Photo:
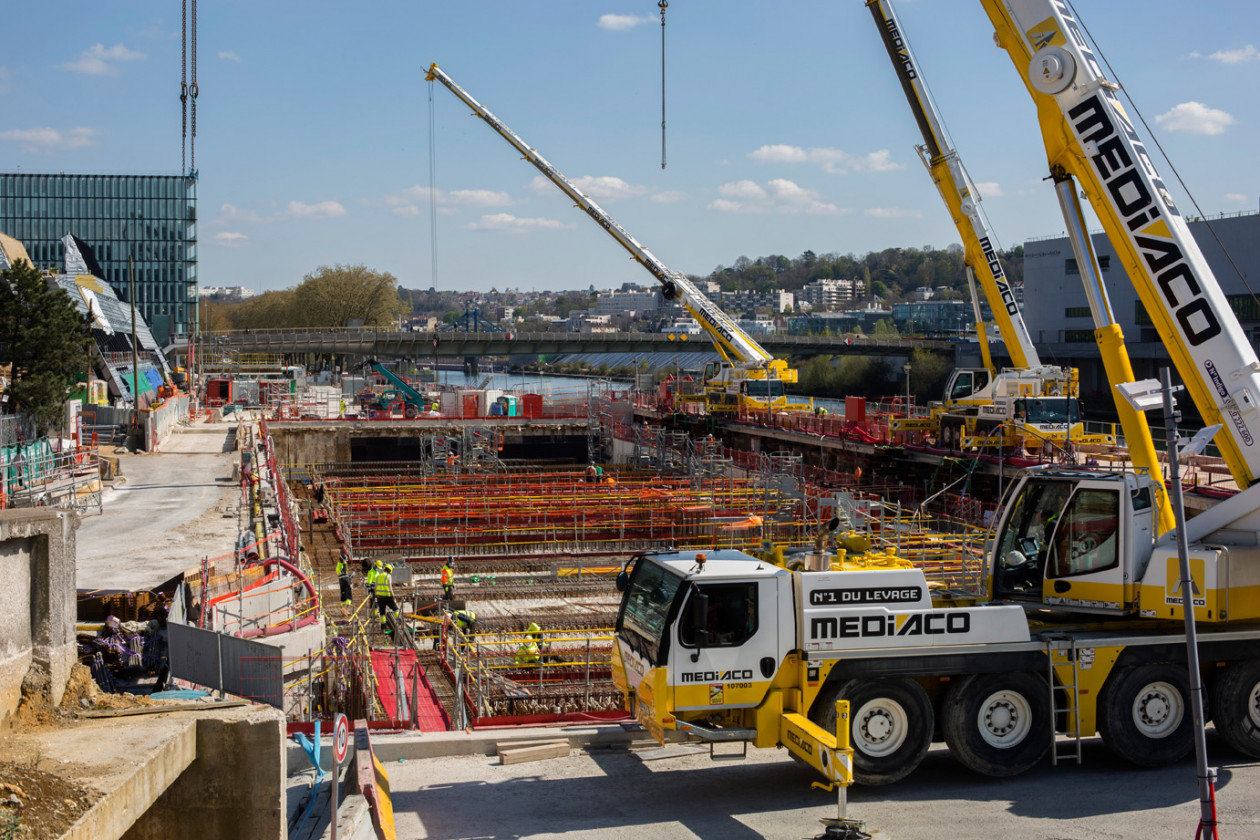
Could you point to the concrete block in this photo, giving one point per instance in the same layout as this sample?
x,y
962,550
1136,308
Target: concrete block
x,y
37,601
234,788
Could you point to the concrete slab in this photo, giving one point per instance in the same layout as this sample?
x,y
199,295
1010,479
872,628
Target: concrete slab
x,y
165,515
611,793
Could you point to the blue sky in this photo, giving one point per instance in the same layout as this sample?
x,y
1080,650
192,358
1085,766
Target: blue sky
x,y
787,130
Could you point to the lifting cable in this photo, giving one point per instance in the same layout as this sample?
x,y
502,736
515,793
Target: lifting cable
x,y
432,195
664,4
183,92
1167,159
192,91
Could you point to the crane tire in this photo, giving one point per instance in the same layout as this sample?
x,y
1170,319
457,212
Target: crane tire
x,y
411,412
1144,713
997,724
890,725
1236,706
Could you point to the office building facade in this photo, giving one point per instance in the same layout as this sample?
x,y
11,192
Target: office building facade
x,y
149,219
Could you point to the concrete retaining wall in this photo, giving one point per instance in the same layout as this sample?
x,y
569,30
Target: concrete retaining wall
x,y
37,602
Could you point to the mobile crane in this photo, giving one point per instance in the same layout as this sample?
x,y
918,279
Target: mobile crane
x,y
1035,402
747,376
1077,626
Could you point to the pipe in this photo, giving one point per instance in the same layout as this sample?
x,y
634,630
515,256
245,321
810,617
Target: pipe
x,y
288,625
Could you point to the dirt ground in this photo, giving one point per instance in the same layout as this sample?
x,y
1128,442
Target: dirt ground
x,y
35,803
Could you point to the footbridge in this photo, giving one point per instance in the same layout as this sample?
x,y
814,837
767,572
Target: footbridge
x,y
414,345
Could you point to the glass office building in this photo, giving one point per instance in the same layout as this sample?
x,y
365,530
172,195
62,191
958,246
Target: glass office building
x,y
149,218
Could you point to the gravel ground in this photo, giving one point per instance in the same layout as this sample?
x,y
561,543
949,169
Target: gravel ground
x,y
614,793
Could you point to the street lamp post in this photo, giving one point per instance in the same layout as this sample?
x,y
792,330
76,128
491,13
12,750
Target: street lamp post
x,y
906,368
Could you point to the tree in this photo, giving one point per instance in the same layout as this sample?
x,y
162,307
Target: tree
x,y
333,296
45,338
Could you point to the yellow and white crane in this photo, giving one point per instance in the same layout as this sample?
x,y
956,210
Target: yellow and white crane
x,y
748,375
1078,626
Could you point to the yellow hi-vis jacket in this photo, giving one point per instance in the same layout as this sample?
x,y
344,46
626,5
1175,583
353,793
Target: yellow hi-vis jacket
x,y
384,584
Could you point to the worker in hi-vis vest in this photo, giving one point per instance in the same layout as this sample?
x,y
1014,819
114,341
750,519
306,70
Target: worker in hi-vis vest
x,y
384,586
448,578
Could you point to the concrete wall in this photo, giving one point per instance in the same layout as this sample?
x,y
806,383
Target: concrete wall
x,y
233,789
37,602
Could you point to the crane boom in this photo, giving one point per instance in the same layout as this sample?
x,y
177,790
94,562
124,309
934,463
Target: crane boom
x,y
957,190
1089,137
733,344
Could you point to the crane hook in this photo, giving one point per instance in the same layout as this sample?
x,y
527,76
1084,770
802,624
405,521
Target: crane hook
x,y
664,4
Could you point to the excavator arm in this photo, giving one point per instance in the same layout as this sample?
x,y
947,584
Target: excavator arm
x,y
1089,137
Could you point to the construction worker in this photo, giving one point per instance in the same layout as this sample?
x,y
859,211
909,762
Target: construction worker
x,y
343,578
448,578
531,649
369,581
592,475
465,620
384,587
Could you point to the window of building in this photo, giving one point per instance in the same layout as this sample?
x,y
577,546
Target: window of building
x,y
1078,336
1076,312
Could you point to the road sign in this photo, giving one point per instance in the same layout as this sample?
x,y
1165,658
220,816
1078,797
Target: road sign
x,y
341,738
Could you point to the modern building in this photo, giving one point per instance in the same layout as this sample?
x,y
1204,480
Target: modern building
x,y
826,294
1058,316
147,220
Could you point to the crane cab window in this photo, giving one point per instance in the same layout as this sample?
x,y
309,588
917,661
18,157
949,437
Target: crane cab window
x,y
732,616
963,386
1086,538
763,387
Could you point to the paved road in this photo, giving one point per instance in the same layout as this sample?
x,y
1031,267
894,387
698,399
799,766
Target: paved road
x,y
615,794
167,514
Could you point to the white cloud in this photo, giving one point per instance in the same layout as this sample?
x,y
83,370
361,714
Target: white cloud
x,y
777,196
990,188
230,240
512,224
1237,197
892,213
1238,56
232,213
668,197
98,60
319,210
595,186
834,161
407,202
39,140
622,22
228,55
742,189
1195,118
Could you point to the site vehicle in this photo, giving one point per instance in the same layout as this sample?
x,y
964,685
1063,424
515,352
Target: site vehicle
x,y
1029,401
401,398
1075,625
747,376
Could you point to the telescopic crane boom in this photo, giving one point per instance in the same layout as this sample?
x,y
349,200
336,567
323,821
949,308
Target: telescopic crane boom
x,y
743,358
957,191
1035,402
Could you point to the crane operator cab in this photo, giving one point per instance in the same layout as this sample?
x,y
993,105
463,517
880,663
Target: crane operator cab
x,y
1078,539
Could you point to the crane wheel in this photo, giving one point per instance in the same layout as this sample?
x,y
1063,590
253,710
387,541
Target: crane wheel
x,y
1144,713
412,412
891,724
997,724
1236,706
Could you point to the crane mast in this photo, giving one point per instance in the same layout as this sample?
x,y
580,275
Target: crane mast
x,y
957,190
1089,137
737,349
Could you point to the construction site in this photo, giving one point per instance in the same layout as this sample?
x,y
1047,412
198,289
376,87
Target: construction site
x,y
535,545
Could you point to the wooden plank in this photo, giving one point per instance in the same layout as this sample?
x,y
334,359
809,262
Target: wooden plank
x,y
672,751
158,710
503,746
538,753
